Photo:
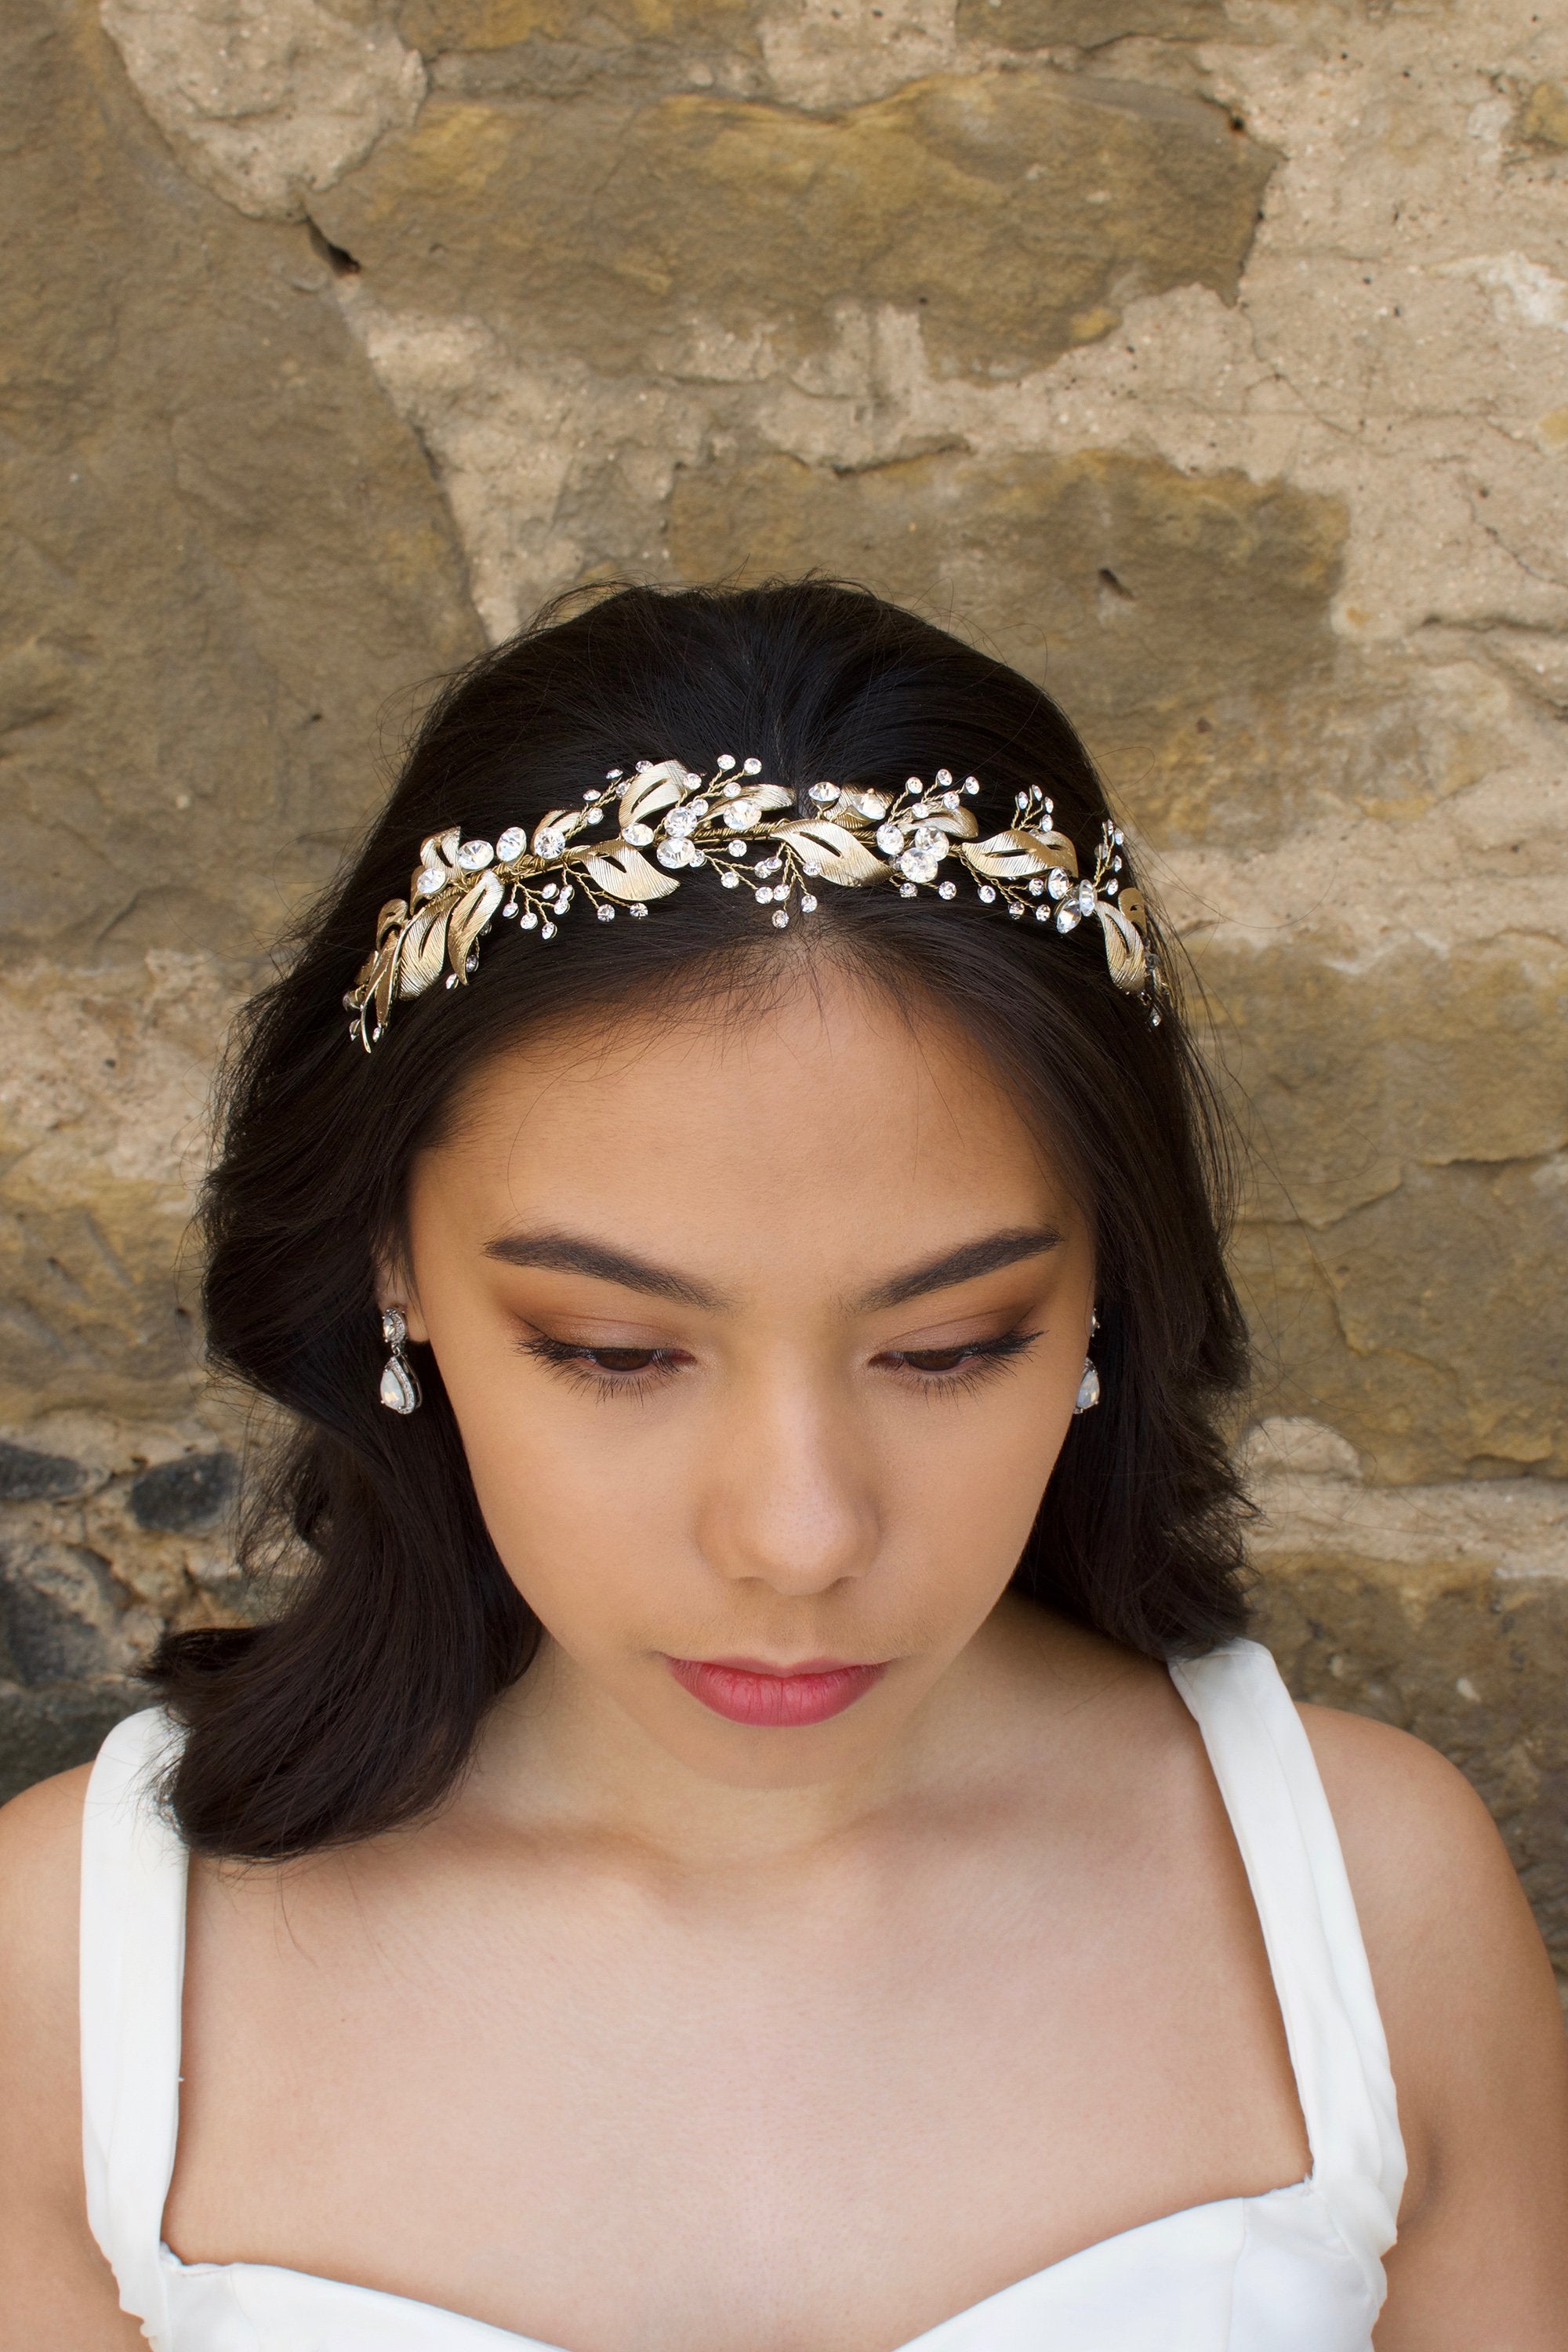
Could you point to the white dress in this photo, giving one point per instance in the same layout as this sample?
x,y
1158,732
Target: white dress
x,y
1296,2269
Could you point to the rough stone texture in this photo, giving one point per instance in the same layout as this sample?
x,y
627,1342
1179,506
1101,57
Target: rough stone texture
x,y
1204,357
269,100
1087,24
1090,570
28,1476
180,1497
104,1078
1029,205
222,550
47,1731
93,1570
1440,1609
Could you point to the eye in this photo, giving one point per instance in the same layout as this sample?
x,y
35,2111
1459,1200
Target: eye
x,y
619,1359
960,1366
937,1360
628,1370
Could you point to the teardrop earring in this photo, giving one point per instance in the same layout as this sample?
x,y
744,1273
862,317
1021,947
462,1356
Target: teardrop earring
x,y
1089,1385
399,1388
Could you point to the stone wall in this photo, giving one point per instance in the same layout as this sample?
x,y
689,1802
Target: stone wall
x,y
1206,358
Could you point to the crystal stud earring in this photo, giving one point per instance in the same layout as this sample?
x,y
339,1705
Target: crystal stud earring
x,y
1089,1385
399,1388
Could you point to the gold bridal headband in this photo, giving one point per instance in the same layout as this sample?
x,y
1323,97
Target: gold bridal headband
x,y
918,840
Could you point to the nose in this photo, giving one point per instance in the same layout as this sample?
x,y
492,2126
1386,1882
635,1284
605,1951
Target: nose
x,y
793,1504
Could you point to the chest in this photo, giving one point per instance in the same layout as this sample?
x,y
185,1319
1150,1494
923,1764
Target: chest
x,y
608,2116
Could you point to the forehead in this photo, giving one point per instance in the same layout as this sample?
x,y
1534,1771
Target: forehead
x,y
815,1106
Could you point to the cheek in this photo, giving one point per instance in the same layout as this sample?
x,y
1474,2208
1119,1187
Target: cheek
x,y
588,1517
969,1482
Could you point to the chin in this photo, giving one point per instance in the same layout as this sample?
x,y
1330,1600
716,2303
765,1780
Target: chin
x,y
733,1758
767,1755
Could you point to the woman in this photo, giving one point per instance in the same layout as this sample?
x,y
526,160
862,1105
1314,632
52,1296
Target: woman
x,y
753,1828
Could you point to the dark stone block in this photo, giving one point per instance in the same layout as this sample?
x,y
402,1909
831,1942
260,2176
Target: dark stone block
x,y
48,1730
58,1614
178,1497
27,1476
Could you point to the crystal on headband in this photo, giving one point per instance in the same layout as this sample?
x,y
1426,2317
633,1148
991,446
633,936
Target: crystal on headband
x,y
853,836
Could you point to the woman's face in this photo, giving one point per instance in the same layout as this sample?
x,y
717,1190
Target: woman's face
x,y
762,1335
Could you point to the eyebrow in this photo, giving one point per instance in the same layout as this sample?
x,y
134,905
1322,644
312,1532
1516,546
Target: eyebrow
x,y
575,1254
966,1264
560,1253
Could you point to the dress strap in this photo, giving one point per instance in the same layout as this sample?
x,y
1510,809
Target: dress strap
x,y
133,1873
1268,1779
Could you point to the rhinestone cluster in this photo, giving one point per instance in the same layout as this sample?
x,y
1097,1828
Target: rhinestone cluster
x,y
921,838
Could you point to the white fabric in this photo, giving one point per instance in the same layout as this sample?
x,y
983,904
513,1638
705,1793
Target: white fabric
x,y
1298,2270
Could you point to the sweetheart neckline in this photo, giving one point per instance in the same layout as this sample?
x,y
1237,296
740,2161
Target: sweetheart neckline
x,y
484,2331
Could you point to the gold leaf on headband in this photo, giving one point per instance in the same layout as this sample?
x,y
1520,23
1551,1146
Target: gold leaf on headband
x,y
1123,949
553,831
959,823
469,917
379,978
1013,857
650,790
627,875
424,951
439,849
838,855
534,874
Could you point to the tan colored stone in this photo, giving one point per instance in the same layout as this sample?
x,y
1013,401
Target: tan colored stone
x,y
267,100
1543,119
1349,1073
830,54
434,25
1087,24
1013,213
1426,1328
104,1080
1427,1626
1181,621
223,553
1312,1501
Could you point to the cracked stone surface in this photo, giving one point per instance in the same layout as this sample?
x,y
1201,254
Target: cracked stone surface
x,y
1206,358
269,100
223,553
104,1083
1441,1609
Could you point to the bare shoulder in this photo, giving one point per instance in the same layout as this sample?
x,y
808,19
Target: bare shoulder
x,y
55,2288
1407,1817
1432,1879
40,1871
40,1880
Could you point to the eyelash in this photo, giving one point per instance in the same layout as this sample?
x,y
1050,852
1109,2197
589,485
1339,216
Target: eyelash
x,y
967,1367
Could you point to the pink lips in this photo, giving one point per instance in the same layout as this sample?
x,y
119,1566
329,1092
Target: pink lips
x,y
746,1692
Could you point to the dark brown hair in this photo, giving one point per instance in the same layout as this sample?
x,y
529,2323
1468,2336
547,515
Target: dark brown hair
x,y
355,1709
